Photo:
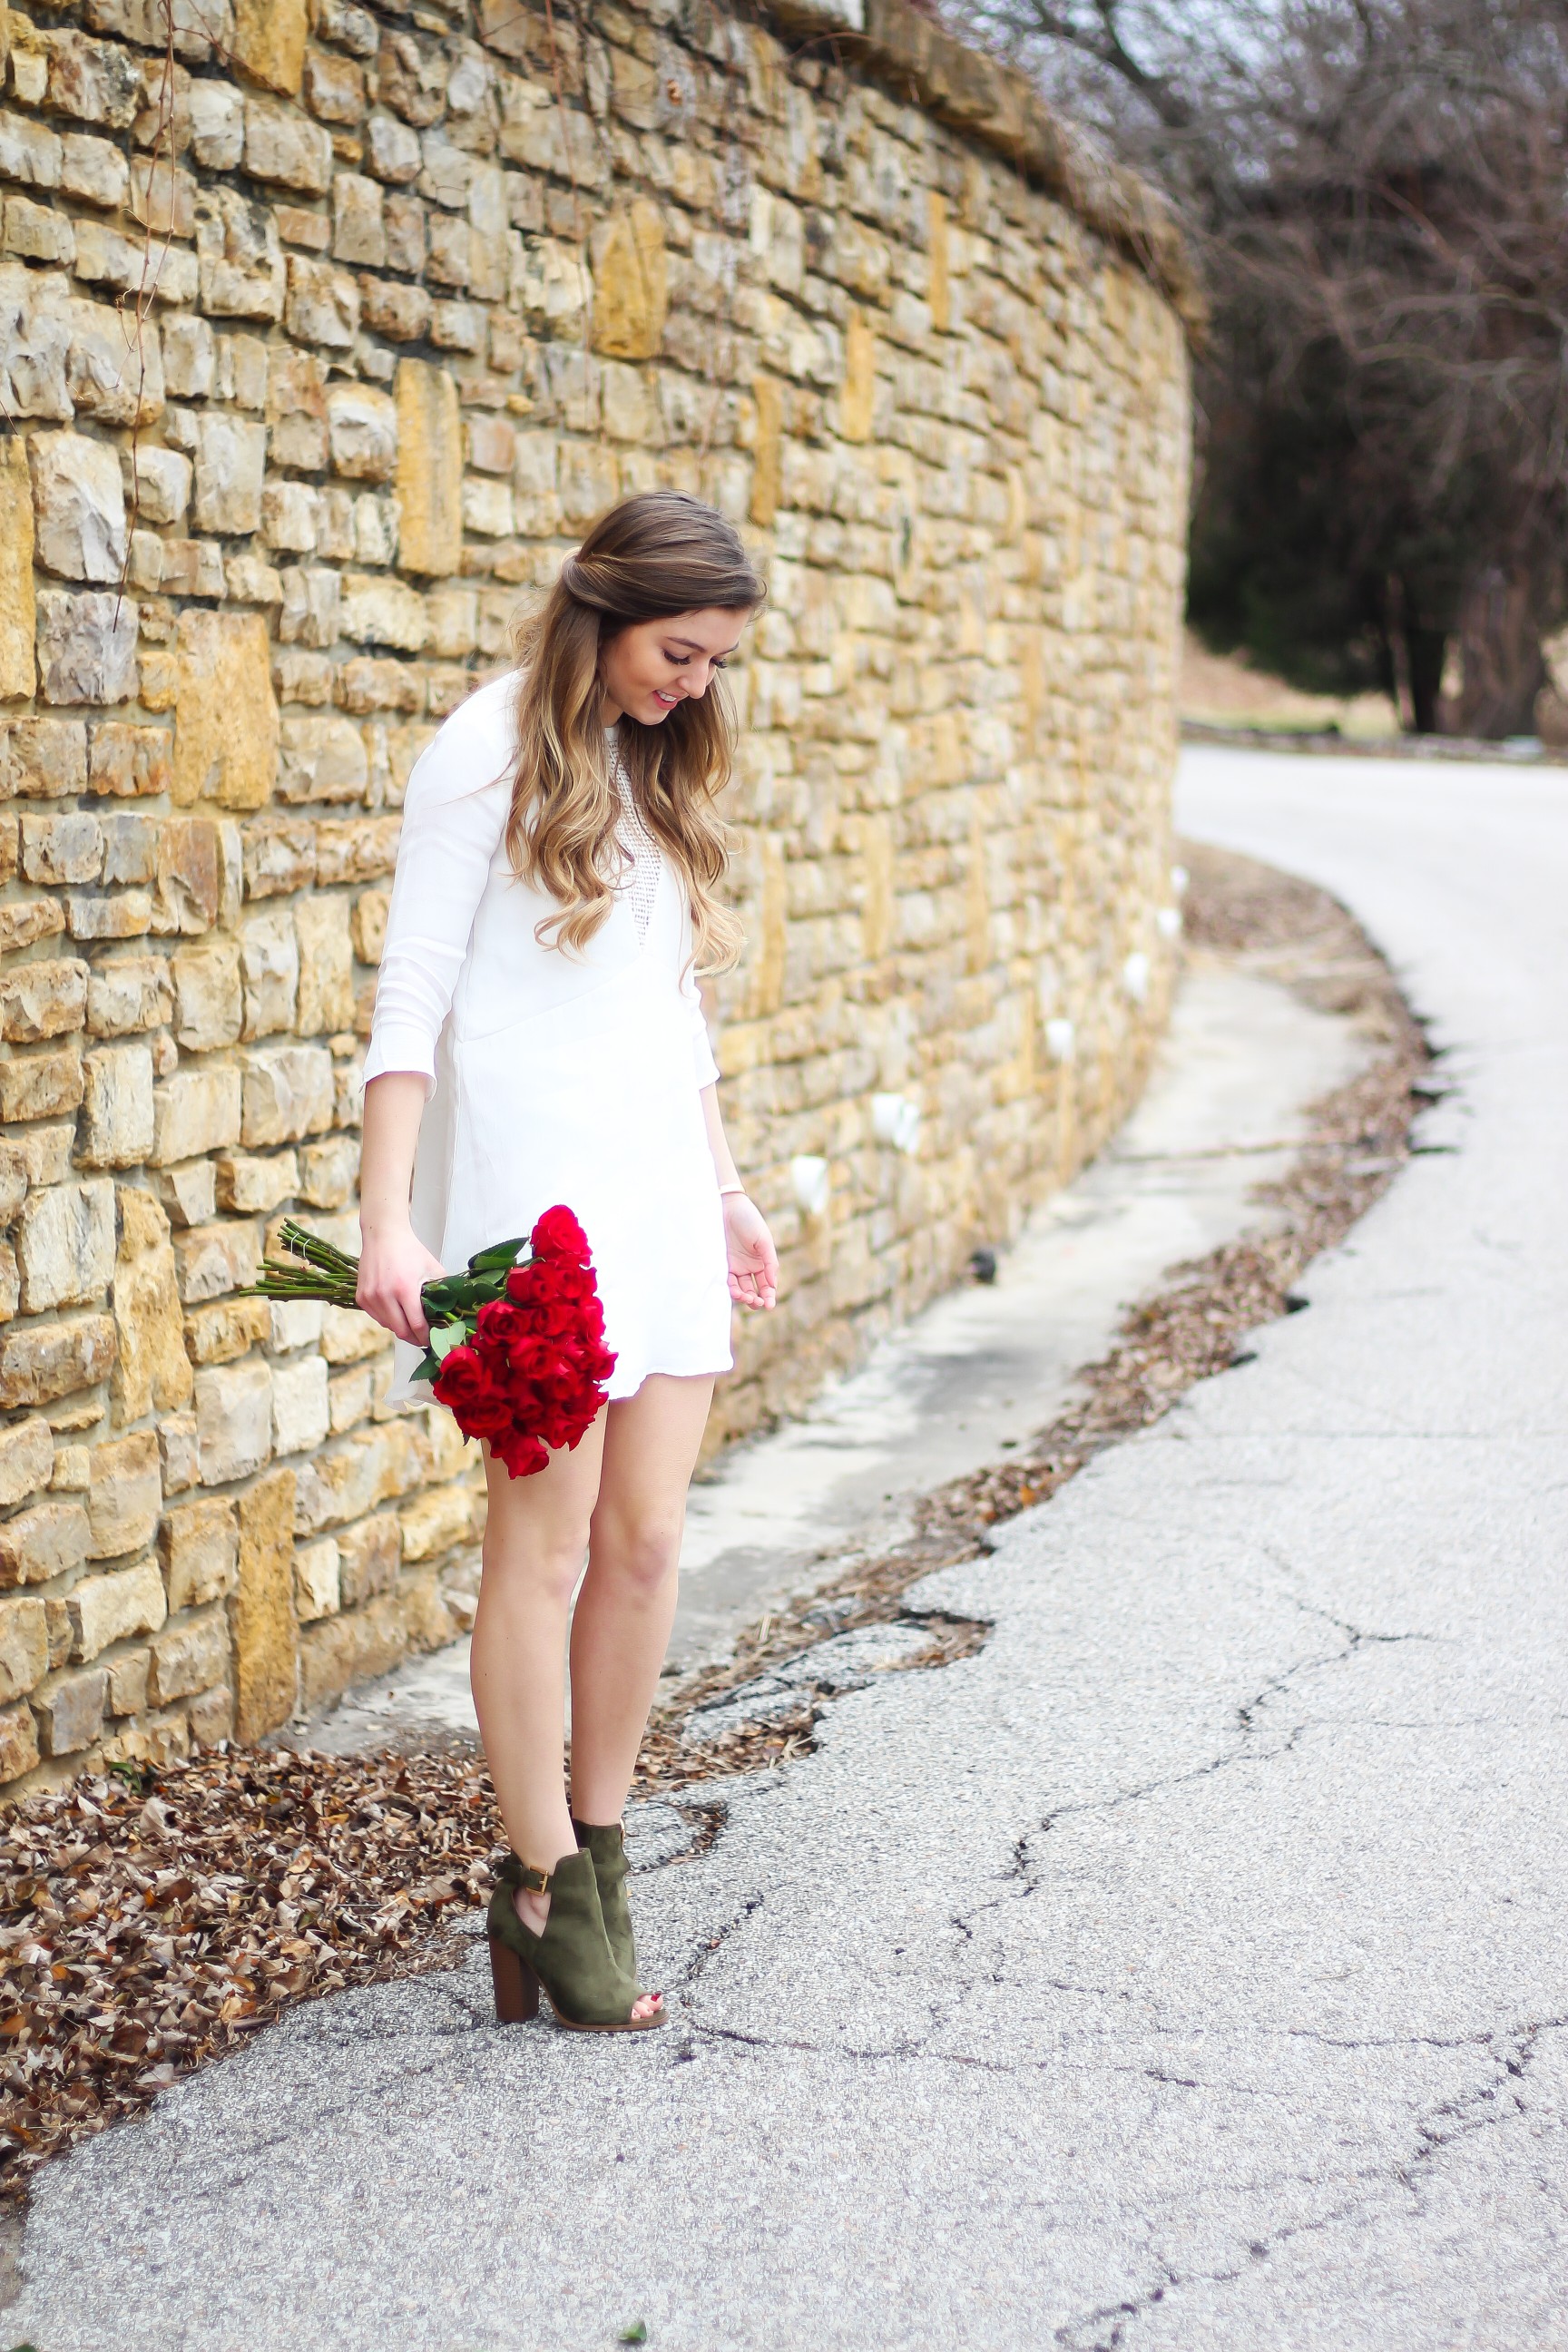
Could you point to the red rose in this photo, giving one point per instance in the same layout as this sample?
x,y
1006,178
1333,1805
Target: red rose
x,y
557,1235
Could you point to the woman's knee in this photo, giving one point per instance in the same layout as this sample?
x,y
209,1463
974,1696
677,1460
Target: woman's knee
x,y
546,1565
640,1554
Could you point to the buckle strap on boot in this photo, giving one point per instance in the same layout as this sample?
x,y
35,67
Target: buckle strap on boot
x,y
514,1871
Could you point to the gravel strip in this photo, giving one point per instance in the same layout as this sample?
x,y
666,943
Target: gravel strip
x,y
151,1922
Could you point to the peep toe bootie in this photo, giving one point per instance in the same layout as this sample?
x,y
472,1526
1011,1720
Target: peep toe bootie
x,y
608,1848
588,1988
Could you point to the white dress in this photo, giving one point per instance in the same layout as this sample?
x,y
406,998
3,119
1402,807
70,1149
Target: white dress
x,y
552,1074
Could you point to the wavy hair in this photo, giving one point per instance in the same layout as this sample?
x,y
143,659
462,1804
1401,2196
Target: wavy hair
x,y
653,556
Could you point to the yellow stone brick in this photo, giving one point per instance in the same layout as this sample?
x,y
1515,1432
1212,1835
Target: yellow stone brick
x,y
226,723
18,674
858,402
429,477
261,1612
631,288
269,42
151,1368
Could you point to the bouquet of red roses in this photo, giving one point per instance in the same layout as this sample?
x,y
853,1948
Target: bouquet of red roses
x,y
515,1349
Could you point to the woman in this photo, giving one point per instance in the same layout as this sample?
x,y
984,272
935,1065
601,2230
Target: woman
x,y
539,1037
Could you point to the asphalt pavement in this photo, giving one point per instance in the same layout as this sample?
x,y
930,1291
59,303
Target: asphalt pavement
x,y
1181,1972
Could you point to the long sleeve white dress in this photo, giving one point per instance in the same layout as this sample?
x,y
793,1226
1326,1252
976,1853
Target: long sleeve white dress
x,y
552,1074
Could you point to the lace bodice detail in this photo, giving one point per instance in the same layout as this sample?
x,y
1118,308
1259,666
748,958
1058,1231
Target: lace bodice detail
x,y
639,883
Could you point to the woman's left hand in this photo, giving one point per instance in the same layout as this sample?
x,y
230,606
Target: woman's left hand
x,y
754,1260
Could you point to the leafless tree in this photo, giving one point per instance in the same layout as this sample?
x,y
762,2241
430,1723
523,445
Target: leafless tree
x,y
1378,190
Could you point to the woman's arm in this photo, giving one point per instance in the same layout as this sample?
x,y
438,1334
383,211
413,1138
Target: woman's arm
x,y
395,1265
754,1260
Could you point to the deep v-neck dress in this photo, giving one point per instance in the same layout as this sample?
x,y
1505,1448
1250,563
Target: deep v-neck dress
x,y
552,1074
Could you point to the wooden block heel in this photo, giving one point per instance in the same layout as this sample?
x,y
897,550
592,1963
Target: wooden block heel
x,y
516,1986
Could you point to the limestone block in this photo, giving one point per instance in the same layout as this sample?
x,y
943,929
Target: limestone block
x,y
631,294
40,759
239,257
279,856
368,1555
334,88
206,996
130,846
310,616
299,1416
355,850
367,924
225,732
18,1742
17,613
225,1330
28,152
24,1646
362,427
134,992
151,1368
322,760
326,965
125,1494
114,1607
26,921
189,353
65,1245
269,43
434,1521
190,879
195,1111
117,1124
188,1658
289,511
87,646
26,1459
129,762
79,506
35,232
198,1545
359,230
233,1420
212,1260
266,1639
316,1589
269,964
488,507
123,915
429,468
392,148
40,1086
177,1447
42,1541
322,304
286,150
43,1000
403,313
256,1187
70,1711
288,1094
379,611
296,1322
128,1681
230,464
329,1172
348,1337
41,1361
94,170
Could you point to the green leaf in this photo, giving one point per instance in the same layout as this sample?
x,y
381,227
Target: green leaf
x,y
426,1368
449,1336
636,2334
500,1258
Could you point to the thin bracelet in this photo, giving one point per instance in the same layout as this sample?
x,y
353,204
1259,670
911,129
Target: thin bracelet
x,y
729,1192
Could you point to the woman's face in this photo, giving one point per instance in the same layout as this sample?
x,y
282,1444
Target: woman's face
x,y
654,665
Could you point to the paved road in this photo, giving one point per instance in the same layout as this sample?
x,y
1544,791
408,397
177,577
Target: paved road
x,y
1183,1972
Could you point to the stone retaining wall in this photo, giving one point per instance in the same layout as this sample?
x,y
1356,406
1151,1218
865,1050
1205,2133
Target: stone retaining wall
x,y
320,337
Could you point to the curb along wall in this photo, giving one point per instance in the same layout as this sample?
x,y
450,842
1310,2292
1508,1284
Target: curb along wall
x,y
322,335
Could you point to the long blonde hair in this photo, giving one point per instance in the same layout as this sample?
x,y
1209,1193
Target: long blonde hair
x,y
653,556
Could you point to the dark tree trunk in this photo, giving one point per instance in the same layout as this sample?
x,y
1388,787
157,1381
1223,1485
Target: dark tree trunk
x,y
1501,642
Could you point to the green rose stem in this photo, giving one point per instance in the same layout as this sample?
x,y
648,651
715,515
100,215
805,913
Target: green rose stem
x,y
318,1269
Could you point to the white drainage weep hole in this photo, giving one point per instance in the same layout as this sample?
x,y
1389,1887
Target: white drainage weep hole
x,y
809,1179
896,1120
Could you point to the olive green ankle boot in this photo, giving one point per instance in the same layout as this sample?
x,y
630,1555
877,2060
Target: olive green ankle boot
x,y
608,1847
589,1990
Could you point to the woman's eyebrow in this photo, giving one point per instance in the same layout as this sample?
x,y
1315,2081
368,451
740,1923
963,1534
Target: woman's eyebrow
x,y
691,646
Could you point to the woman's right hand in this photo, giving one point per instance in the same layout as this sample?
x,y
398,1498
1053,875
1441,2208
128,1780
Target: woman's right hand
x,y
394,1267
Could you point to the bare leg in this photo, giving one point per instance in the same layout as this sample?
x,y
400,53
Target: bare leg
x,y
620,1628
535,1541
